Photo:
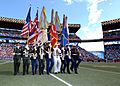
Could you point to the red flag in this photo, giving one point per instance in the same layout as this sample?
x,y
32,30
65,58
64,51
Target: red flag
x,y
53,34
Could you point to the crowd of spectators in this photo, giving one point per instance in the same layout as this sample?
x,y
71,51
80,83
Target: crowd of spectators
x,y
6,51
10,33
87,56
112,51
112,34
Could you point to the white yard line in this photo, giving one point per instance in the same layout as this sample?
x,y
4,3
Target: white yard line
x,y
100,70
68,84
60,80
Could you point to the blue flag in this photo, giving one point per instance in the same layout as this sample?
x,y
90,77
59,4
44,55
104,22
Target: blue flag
x,y
64,34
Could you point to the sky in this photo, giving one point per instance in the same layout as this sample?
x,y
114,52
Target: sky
x,y
88,13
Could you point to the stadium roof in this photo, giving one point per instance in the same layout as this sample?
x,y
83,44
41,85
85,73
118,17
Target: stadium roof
x,y
13,23
111,24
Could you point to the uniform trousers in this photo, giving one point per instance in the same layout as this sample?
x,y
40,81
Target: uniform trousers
x,y
26,64
41,66
57,64
17,60
66,64
78,61
75,63
34,66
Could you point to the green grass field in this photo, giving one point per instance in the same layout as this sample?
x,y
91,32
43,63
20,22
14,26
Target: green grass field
x,y
90,74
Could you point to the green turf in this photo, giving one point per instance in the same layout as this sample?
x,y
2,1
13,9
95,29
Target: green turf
x,y
1,61
114,67
88,76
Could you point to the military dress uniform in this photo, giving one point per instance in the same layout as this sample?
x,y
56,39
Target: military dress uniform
x,y
63,63
17,59
75,58
49,58
34,60
67,59
40,53
57,60
26,61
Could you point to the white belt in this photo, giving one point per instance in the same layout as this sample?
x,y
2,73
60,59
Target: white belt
x,y
18,53
74,54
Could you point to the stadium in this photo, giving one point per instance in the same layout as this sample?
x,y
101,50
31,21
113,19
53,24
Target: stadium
x,y
10,34
93,71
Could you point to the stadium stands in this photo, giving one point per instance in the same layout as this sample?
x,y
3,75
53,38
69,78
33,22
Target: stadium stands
x,y
112,52
87,56
6,51
111,30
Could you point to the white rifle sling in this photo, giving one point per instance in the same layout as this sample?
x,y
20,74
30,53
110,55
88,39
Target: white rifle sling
x,y
63,53
69,53
49,50
41,53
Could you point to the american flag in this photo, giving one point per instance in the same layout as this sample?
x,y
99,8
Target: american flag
x,y
27,26
34,31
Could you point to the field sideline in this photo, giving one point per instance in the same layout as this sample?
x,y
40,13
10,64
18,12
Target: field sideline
x,y
90,74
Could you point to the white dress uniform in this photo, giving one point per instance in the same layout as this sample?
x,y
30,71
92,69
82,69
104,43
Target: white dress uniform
x,y
57,60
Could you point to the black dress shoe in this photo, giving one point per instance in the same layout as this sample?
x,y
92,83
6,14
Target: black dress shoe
x,y
58,72
15,74
76,72
69,73
55,73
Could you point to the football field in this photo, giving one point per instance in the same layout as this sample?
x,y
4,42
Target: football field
x,y
90,74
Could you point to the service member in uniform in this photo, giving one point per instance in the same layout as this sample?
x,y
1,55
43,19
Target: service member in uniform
x,y
48,56
75,58
17,58
40,53
57,60
63,62
34,59
67,58
26,60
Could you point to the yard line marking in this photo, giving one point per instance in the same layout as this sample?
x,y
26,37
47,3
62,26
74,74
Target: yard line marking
x,y
60,80
100,70
6,62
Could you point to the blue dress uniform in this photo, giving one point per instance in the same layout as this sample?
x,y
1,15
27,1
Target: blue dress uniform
x,y
49,58
75,59
63,62
26,61
17,59
67,59
34,61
